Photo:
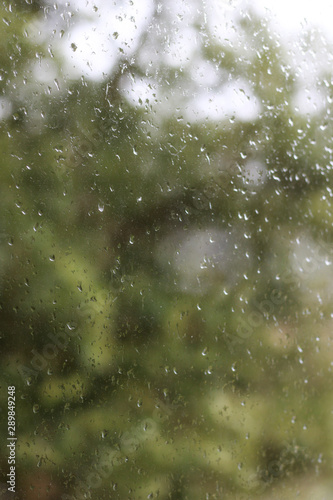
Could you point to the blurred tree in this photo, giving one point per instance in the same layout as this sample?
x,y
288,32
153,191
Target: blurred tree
x,y
166,231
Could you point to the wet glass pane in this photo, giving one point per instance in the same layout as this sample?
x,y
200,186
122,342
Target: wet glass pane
x,y
166,250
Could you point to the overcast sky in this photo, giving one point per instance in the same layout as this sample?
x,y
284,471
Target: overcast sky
x,y
294,15
99,31
91,46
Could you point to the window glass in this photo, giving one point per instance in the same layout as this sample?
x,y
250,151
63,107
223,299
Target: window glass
x,y
165,250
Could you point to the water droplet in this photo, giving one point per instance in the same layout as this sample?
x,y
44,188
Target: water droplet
x,y
35,408
71,326
101,207
52,258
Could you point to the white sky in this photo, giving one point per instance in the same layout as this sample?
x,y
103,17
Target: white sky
x,y
293,15
112,25
107,29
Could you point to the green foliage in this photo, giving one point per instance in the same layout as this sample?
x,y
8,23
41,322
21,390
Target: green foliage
x,y
155,322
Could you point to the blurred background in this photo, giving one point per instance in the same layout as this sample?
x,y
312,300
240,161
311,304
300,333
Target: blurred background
x,y
166,249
